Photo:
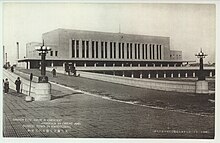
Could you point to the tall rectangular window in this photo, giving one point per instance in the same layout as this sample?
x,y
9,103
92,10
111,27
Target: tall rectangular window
x,y
160,52
102,49
83,49
56,53
157,52
146,51
73,48
130,50
110,50
119,50
143,51
138,51
150,52
51,53
106,51
114,50
97,49
153,51
123,50
93,49
135,51
77,48
127,50
87,49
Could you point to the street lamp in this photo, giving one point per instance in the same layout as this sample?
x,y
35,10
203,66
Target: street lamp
x,y
43,51
201,55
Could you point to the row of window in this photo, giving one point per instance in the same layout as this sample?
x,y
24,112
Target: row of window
x,y
56,53
133,50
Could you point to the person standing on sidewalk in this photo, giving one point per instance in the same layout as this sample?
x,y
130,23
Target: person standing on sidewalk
x,y
18,84
54,72
6,86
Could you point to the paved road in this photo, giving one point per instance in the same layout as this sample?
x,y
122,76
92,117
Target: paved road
x,y
92,116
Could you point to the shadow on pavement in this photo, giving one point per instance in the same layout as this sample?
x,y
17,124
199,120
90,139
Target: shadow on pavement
x,y
62,96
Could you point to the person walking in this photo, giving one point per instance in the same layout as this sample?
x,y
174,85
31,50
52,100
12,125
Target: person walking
x,y
18,84
6,86
54,72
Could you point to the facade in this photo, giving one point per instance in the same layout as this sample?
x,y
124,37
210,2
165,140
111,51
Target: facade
x,y
104,49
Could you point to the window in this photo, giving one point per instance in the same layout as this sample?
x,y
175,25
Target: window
x,y
135,51
143,51
114,50
127,50
130,50
51,53
119,50
105,49
160,52
73,48
157,52
122,50
138,51
153,51
56,53
77,48
97,50
146,51
83,49
102,50
150,52
93,49
87,49
110,49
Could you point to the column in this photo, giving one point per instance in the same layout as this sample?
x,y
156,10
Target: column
x,y
108,49
174,65
130,65
146,65
125,51
164,75
140,75
70,48
113,65
210,74
156,75
99,49
51,64
139,65
133,51
132,75
122,65
168,65
171,75
194,74
28,65
80,48
94,64
104,64
74,64
178,74
149,75
114,73
186,74
155,51
123,73
90,48
84,64
153,65
161,65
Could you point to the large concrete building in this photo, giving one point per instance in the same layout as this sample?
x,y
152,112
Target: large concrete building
x,y
90,48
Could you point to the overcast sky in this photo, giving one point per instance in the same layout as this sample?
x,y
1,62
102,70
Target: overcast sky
x,y
189,26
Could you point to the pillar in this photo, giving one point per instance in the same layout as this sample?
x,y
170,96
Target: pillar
x,y
153,65
130,65
164,75
51,64
123,73
178,74
122,65
186,74
168,65
146,65
90,48
74,64
157,75
174,65
80,48
149,75
161,65
28,65
104,64
194,74
141,75
114,73
84,64
139,65
132,74
94,64
113,65
171,75
210,74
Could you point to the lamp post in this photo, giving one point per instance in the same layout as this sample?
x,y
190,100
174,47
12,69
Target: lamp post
x,y
43,50
201,55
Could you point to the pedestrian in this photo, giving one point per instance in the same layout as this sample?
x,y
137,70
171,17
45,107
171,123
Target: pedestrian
x,y
54,72
18,84
12,68
6,85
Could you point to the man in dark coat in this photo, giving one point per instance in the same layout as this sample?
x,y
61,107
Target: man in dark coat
x,y
18,84
6,86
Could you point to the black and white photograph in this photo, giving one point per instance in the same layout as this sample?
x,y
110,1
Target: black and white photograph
x,y
109,70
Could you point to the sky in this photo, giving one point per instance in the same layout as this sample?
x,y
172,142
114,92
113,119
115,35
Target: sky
x,y
189,26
